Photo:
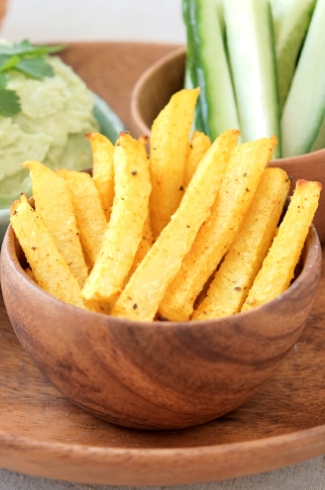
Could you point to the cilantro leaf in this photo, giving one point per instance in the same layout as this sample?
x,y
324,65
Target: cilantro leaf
x,y
8,63
26,48
9,103
35,67
3,81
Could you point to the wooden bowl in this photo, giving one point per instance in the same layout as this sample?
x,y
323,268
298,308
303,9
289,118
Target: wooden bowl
x,y
155,375
153,91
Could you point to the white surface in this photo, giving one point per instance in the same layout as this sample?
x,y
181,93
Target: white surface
x,y
304,476
107,20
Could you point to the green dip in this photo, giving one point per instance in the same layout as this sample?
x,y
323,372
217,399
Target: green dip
x,y
56,114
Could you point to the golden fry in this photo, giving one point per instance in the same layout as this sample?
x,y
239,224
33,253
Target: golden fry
x,y
103,169
278,267
91,220
129,212
230,286
30,274
146,288
53,203
200,143
49,267
215,237
168,152
145,245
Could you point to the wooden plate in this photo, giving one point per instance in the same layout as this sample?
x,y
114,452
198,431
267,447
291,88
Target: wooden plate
x,y
42,433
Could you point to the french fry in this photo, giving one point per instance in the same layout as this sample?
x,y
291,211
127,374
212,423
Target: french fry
x,y
230,286
200,143
48,265
279,265
103,169
145,245
215,237
146,288
129,212
30,274
53,203
168,152
91,220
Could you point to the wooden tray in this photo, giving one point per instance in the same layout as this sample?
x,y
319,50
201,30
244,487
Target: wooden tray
x,y
42,433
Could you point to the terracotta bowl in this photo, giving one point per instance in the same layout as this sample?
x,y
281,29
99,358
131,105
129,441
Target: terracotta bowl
x,y
157,375
153,91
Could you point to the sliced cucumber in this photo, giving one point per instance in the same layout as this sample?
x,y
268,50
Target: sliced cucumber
x,y
291,19
190,80
304,109
319,142
250,41
217,101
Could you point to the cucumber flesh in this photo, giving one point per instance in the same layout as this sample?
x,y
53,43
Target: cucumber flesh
x,y
217,101
304,110
319,143
291,19
251,46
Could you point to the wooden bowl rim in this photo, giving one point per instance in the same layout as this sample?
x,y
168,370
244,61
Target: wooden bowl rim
x,y
136,113
312,256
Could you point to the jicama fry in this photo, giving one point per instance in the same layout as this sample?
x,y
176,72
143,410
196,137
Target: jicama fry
x,y
168,151
146,288
230,286
278,267
145,245
91,220
103,169
53,203
218,232
200,143
30,274
49,267
129,212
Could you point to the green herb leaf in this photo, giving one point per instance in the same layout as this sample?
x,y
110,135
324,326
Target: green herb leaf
x,y
35,67
8,63
9,103
26,48
3,81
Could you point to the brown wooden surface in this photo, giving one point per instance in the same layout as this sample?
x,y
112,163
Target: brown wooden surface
x,y
42,433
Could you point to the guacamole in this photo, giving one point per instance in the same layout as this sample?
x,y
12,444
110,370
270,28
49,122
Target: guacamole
x,y
56,114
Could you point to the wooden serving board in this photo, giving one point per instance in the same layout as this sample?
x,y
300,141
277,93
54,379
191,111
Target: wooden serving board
x,y
42,433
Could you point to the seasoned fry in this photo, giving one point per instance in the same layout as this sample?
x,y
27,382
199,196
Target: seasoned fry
x,y
30,274
129,212
218,232
103,169
145,245
146,288
168,152
50,269
200,143
230,286
53,203
91,220
278,267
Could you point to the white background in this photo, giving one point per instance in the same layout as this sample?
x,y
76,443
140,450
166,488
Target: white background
x,y
120,20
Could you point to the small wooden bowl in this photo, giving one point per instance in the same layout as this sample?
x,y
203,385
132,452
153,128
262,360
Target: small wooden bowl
x,y
153,91
157,375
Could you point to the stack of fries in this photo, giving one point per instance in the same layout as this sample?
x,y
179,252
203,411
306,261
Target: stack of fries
x,y
189,233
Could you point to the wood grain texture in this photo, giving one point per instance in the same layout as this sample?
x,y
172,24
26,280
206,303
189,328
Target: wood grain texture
x,y
42,433
154,89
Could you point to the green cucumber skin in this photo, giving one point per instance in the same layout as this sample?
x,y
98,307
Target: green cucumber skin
x,y
217,101
291,19
190,80
304,110
249,28
319,142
